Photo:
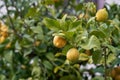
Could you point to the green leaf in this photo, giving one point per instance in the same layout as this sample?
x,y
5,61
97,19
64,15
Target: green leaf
x,y
2,77
64,18
96,56
37,29
92,43
28,37
27,52
91,20
52,24
113,49
83,57
69,77
8,55
111,58
17,46
99,69
50,56
74,26
69,35
98,33
36,72
48,65
107,30
32,12
34,61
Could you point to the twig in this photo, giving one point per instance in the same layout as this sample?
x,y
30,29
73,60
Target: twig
x,y
105,64
10,19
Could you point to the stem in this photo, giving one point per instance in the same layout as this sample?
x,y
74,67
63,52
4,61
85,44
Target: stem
x,y
11,21
105,64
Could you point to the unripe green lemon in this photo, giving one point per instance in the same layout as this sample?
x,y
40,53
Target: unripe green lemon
x,y
72,54
59,42
101,15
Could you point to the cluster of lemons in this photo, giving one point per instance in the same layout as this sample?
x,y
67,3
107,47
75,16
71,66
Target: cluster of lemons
x,y
73,53
3,32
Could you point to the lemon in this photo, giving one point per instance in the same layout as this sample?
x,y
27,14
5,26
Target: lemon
x,y
72,54
101,15
3,30
2,39
59,42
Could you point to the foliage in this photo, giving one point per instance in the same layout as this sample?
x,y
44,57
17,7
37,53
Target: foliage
x,y
28,53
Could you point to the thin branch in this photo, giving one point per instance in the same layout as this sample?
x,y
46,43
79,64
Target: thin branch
x,y
10,19
105,65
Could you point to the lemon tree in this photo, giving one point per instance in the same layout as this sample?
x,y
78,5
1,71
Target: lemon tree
x,y
53,39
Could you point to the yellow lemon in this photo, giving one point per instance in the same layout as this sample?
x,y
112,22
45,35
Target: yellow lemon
x,y
101,15
59,42
4,28
72,54
2,39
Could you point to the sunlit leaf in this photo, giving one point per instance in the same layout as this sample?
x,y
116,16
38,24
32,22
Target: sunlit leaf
x,y
92,43
111,58
83,57
36,71
52,24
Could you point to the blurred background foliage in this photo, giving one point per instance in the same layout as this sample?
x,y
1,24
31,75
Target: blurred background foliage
x,y
28,53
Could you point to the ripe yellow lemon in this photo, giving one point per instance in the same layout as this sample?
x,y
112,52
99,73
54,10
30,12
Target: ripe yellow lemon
x,y
101,15
3,30
2,39
59,42
5,34
72,54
